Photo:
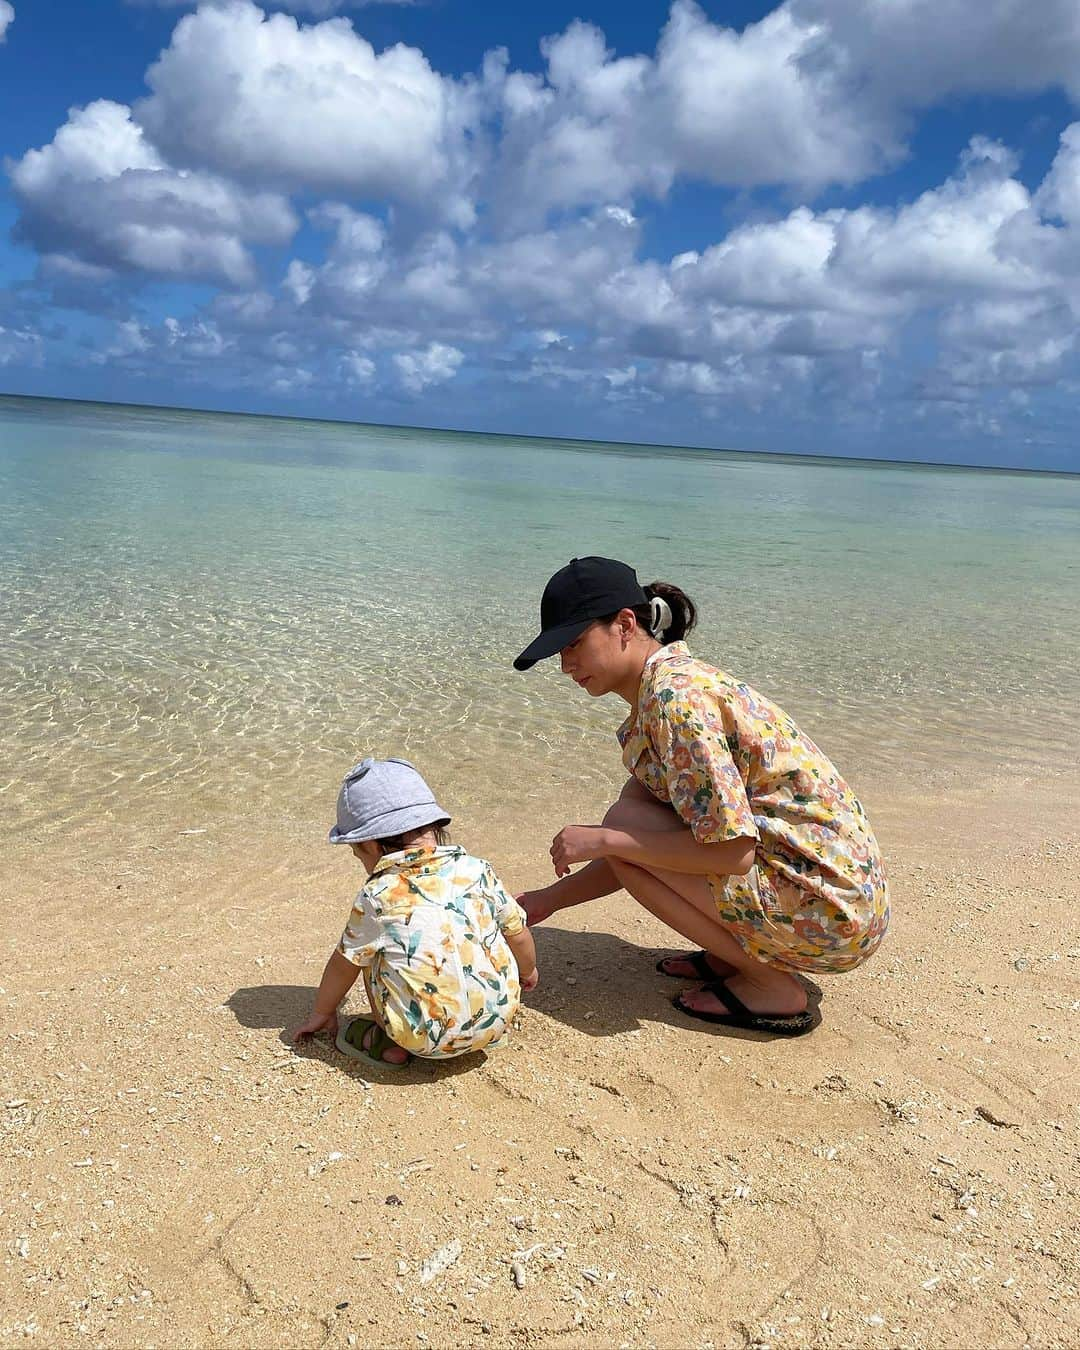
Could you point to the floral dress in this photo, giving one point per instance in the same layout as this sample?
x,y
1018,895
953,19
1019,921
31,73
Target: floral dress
x,y
429,930
734,765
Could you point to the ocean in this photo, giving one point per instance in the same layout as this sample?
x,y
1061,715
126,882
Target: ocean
x,y
209,617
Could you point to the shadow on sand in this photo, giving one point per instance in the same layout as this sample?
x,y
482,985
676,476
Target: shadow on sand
x,y
603,985
596,982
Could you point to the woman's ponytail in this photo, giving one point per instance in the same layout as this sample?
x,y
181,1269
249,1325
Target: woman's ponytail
x,y
670,614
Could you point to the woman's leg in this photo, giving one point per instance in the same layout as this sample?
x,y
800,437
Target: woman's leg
x,y
681,900
685,903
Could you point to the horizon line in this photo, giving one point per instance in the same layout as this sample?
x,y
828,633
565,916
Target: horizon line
x,y
567,440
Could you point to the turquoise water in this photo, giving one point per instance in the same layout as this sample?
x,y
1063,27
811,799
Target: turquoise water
x,y
223,611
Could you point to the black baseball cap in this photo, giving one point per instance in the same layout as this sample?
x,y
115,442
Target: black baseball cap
x,y
585,590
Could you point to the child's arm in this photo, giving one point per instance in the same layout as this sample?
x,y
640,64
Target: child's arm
x,y
337,979
524,949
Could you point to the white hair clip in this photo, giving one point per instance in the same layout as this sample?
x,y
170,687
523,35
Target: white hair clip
x,y
659,616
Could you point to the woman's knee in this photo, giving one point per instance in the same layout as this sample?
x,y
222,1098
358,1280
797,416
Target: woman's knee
x,y
641,813
618,813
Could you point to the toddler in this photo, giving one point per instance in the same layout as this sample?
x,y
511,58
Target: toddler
x,y
443,947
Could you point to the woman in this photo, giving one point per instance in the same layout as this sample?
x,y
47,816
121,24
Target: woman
x,y
734,829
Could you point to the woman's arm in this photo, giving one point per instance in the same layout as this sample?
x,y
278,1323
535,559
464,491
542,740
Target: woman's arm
x,y
674,850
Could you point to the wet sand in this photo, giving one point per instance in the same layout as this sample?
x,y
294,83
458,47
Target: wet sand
x,y
175,1175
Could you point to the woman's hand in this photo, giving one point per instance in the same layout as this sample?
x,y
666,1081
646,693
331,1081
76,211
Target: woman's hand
x,y
575,844
529,982
315,1023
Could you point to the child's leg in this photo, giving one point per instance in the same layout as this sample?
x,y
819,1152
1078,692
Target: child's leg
x,y
393,1054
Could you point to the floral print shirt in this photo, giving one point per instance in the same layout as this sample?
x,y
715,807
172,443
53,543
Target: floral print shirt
x,y
733,764
429,928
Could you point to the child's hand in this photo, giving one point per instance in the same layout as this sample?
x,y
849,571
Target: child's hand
x,y
316,1022
529,982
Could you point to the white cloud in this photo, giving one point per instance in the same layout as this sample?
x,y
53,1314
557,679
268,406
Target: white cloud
x,y
739,107
322,8
130,339
1059,195
19,346
846,278
548,337
714,104
434,365
816,302
319,9
355,262
101,193
553,275
358,368
262,98
7,17
502,219
915,52
948,241
195,341
817,92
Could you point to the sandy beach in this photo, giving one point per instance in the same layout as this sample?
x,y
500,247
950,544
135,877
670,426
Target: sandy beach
x,y
175,1175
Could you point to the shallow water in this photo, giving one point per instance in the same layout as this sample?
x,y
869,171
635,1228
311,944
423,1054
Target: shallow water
x,y
206,616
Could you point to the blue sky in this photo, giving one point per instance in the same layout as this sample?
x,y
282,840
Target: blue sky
x,y
833,226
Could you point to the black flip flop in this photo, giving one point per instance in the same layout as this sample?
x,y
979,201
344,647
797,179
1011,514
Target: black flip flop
x,y
776,1024
699,960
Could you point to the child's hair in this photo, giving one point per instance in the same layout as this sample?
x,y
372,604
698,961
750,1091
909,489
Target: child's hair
x,y
683,612
394,843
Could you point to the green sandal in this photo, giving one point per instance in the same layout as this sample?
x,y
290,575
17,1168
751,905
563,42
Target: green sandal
x,y
352,1034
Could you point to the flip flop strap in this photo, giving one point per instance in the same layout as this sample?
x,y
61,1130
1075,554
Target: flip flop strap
x,y
731,1001
367,1036
700,962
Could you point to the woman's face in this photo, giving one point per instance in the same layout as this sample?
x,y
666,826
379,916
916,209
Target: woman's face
x,y
601,659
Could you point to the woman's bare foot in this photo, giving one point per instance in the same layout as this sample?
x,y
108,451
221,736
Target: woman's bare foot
x,y
778,993
684,968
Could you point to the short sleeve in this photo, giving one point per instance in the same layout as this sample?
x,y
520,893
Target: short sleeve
x,y
364,934
703,783
508,913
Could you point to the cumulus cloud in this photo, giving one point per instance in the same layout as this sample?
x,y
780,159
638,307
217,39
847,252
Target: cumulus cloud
x,y
722,106
817,92
101,193
319,9
1059,195
434,365
501,220
916,52
264,99
358,368
19,346
7,16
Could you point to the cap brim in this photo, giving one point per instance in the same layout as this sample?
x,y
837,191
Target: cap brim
x,y
551,641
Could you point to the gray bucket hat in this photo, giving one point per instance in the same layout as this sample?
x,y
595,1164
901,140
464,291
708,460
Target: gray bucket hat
x,y
381,798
